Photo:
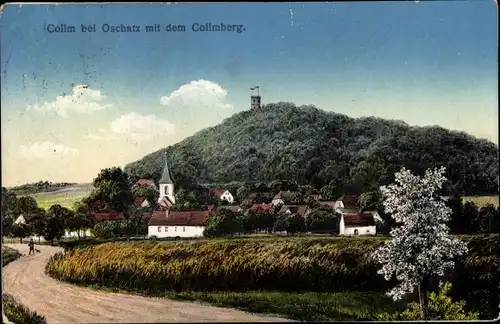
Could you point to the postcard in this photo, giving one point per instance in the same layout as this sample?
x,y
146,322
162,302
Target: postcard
x,y
245,162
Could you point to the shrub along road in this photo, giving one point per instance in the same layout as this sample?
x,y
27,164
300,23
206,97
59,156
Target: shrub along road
x,y
25,280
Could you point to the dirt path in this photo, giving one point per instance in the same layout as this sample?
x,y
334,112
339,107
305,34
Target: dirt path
x,y
59,302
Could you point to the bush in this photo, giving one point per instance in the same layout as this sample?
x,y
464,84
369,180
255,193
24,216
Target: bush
x,y
9,255
279,264
18,313
441,307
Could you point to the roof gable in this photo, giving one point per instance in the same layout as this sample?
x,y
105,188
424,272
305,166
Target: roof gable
x,y
358,219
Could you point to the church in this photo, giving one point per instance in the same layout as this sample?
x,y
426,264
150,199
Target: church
x,y
166,223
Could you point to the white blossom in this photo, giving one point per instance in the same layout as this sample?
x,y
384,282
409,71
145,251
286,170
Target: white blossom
x,y
420,244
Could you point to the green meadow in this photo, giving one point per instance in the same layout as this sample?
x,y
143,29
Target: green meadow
x,y
481,201
65,197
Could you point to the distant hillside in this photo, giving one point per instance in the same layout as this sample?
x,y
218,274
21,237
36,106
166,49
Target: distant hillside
x,y
40,186
315,147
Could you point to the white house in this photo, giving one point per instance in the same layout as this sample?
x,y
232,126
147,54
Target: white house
x,y
357,224
99,217
222,194
177,223
78,234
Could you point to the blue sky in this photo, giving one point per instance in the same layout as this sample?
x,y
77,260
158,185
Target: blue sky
x,y
425,63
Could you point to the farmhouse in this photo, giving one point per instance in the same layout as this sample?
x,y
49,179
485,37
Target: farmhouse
x,y
283,197
177,223
25,218
222,194
294,209
357,224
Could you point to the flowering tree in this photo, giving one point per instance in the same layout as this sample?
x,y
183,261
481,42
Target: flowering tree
x,y
421,246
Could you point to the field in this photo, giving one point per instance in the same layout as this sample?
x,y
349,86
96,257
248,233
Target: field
x,y
481,201
65,197
298,277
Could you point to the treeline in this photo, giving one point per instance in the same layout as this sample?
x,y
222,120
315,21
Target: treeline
x,y
40,186
313,147
113,192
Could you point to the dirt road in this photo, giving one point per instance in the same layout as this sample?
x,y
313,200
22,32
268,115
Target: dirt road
x,y
59,302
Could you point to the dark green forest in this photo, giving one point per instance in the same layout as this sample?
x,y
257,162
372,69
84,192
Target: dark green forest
x,y
313,147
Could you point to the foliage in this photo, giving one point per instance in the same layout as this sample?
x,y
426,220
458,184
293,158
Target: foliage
x,y
56,222
223,222
322,219
421,247
113,187
9,255
18,313
40,186
441,307
316,147
148,192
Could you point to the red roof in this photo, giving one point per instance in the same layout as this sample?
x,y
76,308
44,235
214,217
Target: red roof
x,y
216,192
165,202
179,218
359,219
100,217
294,209
210,207
261,207
285,194
327,203
145,182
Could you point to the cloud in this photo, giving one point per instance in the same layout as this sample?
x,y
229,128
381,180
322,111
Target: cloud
x,y
103,135
46,150
138,127
83,100
198,95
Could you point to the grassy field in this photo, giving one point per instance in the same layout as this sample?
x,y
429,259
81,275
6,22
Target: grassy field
x,y
481,201
65,197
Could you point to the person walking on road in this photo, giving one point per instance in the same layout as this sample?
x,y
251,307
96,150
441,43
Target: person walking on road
x,y
31,245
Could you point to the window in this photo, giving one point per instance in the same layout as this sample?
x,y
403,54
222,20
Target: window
x,y
159,229
367,231
355,232
176,228
183,229
166,228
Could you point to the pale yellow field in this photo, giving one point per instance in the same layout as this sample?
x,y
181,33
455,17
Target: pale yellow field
x,y
481,201
65,197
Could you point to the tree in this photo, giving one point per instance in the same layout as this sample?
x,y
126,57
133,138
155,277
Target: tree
x,y
148,192
243,192
486,218
471,218
21,231
113,186
38,223
54,228
322,219
222,222
331,191
421,247
457,223
27,205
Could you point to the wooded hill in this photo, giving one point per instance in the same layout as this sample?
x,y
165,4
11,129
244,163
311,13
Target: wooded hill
x,y
314,147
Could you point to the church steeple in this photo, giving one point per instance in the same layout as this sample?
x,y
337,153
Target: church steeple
x,y
166,184
165,178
